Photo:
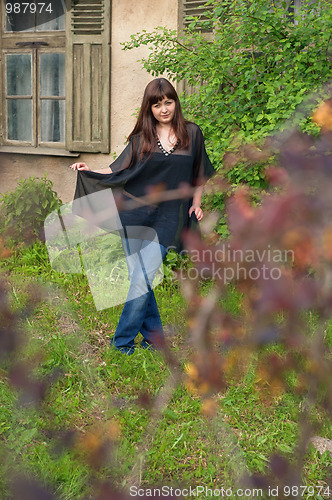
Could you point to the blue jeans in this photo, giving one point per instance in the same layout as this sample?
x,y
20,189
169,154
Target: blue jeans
x,y
140,312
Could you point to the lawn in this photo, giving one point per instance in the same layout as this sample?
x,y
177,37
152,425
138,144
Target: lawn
x,y
76,413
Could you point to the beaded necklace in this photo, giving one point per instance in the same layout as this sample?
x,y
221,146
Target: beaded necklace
x,y
163,150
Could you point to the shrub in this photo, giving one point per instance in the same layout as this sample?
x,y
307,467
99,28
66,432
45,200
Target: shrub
x,y
24,209
249,77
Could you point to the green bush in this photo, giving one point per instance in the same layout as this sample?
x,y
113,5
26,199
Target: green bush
x,y
261,70
24,209
173,262
247,78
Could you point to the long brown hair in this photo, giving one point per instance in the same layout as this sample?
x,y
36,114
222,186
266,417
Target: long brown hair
x,y
155,91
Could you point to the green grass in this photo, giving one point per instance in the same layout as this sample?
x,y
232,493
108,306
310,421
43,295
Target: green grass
x,y
98,393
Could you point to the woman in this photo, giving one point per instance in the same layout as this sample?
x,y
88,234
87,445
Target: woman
x,y
164,152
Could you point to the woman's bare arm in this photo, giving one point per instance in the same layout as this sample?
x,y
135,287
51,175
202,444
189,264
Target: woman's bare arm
x,y
196,206
83,166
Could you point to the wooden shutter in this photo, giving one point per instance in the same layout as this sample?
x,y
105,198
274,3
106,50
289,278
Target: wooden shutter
x,y
193,8
88,76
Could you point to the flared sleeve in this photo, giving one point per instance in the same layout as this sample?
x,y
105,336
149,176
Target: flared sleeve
x,y
127,158
121,170
202,168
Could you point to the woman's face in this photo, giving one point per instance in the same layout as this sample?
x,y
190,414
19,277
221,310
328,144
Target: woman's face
x,y
164,110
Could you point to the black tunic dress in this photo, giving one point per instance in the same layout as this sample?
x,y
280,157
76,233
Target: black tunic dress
x,y
189,166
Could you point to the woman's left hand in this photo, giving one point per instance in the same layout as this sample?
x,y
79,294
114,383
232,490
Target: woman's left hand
x,y
198,211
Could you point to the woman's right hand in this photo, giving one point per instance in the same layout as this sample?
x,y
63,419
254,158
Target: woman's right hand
x,y
79,166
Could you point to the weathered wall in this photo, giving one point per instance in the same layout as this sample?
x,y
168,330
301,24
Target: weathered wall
x,y
128,81
127,76
14,167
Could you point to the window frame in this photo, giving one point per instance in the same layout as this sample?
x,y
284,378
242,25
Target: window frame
x,y
87,81
55,41
22,51
46,50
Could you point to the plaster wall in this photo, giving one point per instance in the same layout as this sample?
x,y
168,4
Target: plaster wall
x,y
128,80
14,167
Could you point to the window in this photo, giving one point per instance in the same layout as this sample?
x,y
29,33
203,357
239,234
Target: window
x,y
188,8
33,69
54,59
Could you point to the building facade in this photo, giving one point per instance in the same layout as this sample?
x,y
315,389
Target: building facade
x,y
69,91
